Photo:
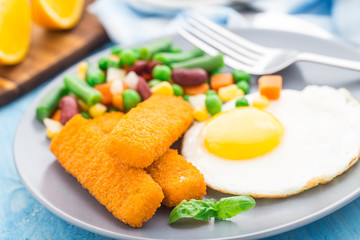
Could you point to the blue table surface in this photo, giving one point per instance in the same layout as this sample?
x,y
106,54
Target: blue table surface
x,y
23,217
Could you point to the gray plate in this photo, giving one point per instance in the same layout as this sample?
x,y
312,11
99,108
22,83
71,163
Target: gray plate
x,y
63,195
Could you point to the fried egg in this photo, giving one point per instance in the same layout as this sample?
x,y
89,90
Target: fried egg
x,y
301,140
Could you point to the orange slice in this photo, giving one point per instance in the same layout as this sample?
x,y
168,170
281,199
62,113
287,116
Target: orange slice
x,y
15,30
55,14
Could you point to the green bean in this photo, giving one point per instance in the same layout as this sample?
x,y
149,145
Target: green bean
x,y
149,50
94,75
82,90
168,57
50,102
208,63
175,49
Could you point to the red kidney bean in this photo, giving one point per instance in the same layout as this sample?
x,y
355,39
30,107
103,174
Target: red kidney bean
x,y
189,77
143,88
69,107
139,67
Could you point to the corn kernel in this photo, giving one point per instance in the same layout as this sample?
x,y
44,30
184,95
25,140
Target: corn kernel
x,y
240,93
97,110
81,70
114,57
228,93
163,88
52,127
83,106
261,102
201,114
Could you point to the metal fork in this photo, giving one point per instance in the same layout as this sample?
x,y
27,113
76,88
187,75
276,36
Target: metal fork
x,y
240,53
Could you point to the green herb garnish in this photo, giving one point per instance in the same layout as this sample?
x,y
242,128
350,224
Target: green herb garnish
x,y
209,208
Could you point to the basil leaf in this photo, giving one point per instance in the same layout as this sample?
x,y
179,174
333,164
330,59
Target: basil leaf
x,y
198,209
232,206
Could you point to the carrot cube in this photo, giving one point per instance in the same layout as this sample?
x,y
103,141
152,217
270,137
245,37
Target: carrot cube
x,y
56,116
270,86
104,89
221,80
200,89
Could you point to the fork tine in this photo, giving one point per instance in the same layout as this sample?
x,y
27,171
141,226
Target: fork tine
x,y
218,45
236,47
232,63
253,47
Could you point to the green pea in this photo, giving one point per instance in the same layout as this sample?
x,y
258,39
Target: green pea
x,y
154,82
213,104
240,75
128,57
130,99
210,92
161,72
178,90
186,98
116,50
103,63
85,115
242,102
244,86
114,63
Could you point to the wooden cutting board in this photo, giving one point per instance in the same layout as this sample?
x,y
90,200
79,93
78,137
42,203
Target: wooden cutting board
x,y
50,52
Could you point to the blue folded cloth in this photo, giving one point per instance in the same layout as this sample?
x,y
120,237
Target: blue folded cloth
x,y
127,24
340,17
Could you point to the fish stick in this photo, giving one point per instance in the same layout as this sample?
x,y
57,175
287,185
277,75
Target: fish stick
x,y
129,193
107,122
148,130
179,179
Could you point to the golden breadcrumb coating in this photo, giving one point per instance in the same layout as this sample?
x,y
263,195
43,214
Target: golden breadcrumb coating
x,y
178,178
148,130
130,194
108,121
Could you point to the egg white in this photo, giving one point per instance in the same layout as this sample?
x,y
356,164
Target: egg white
x,y
321,140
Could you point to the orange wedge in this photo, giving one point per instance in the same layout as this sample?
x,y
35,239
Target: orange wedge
x,y
15,26
57,14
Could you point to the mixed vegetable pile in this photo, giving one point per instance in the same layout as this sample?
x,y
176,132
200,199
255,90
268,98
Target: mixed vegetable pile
x,y
128,76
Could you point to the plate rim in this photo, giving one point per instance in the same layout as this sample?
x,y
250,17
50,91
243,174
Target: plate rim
x,y
79,223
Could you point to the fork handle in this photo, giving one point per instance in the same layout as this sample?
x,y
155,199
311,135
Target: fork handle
x,y
332,61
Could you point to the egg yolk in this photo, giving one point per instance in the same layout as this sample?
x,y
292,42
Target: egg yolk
x,y
242,133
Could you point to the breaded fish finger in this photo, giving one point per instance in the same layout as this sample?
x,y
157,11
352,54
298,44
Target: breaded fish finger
x,y
179,179
130,194
148,130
